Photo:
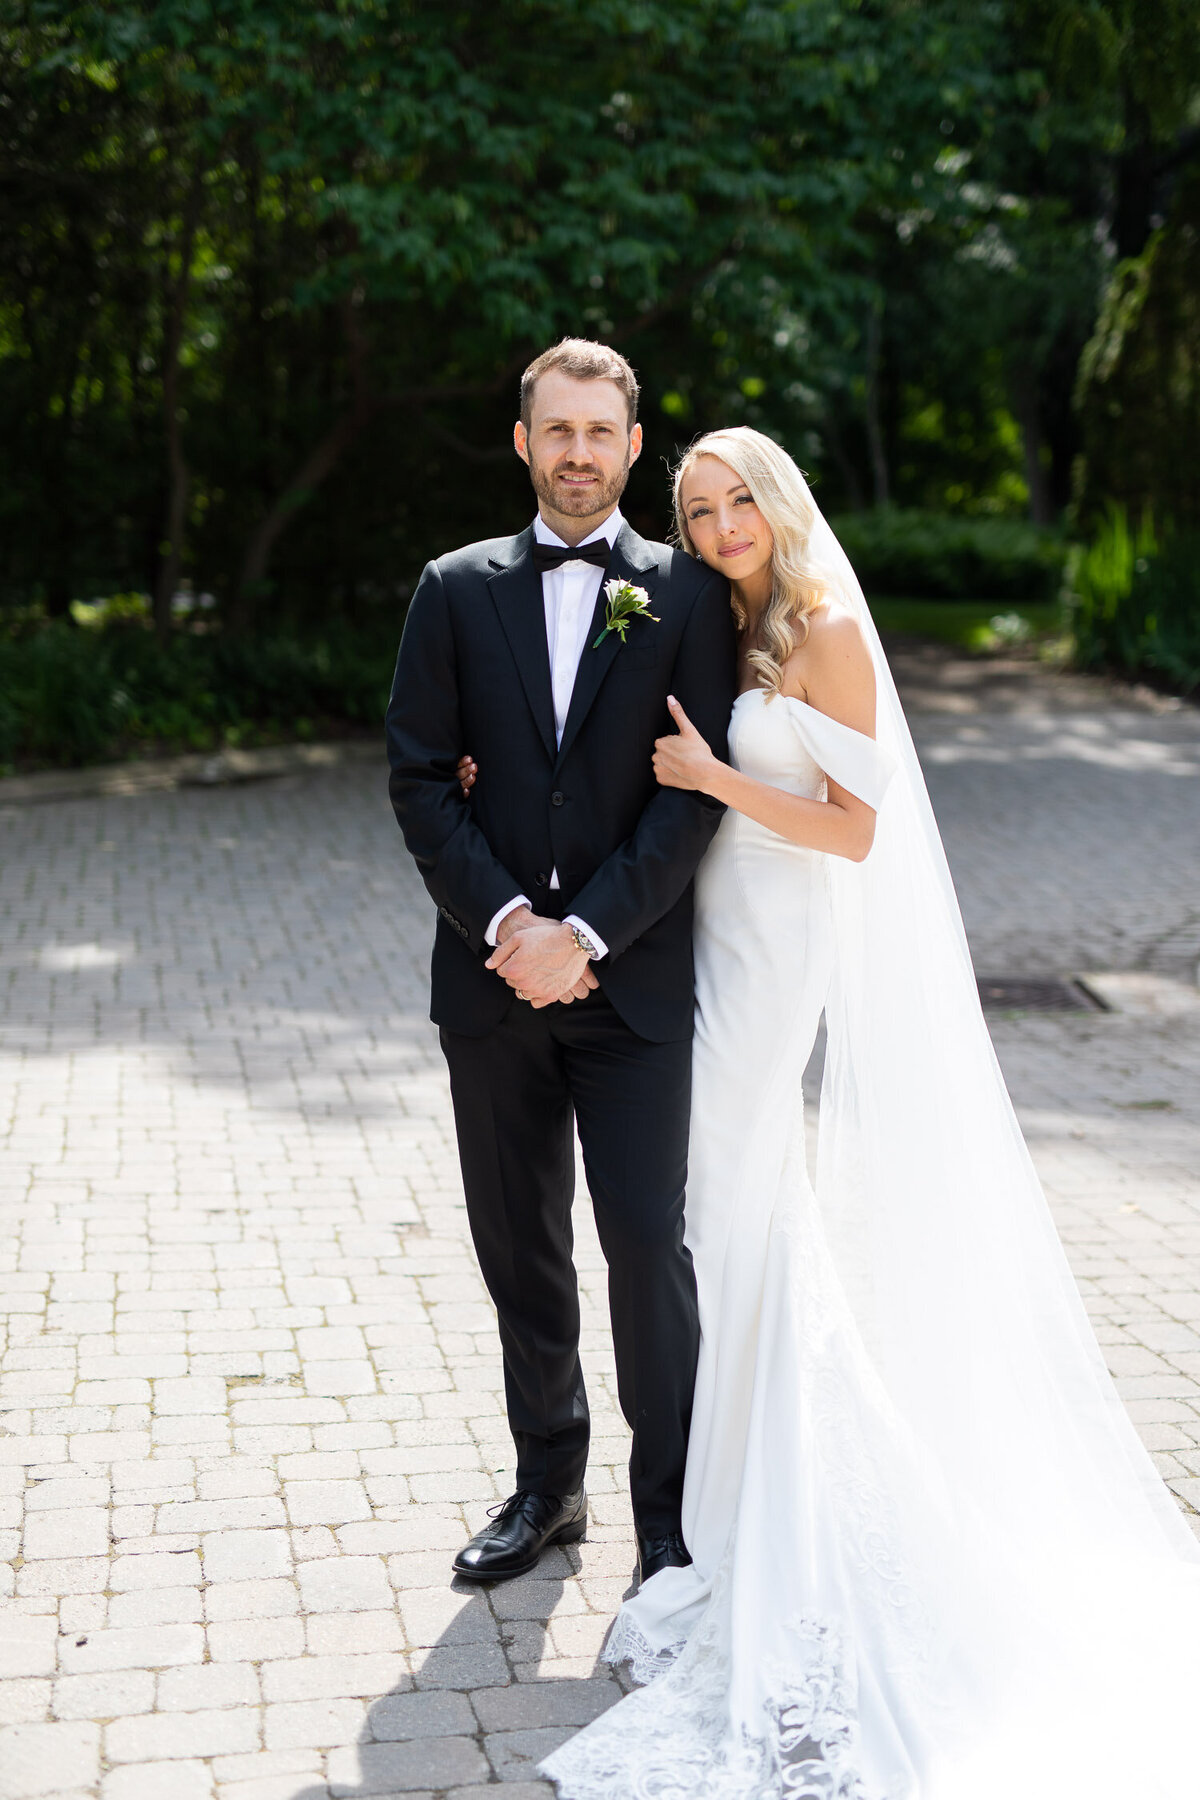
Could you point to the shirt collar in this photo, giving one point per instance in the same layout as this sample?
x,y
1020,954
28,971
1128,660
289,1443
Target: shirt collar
x,y
609,531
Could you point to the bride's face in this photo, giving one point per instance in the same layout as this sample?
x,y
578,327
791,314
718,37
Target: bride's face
x,y
723,522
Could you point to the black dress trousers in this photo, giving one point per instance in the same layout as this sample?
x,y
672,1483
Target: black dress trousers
x,y
515,1091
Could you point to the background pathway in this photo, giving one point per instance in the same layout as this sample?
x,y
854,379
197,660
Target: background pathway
x,y
250,1391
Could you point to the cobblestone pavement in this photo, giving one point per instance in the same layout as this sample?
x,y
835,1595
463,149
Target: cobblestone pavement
x,y
250,1390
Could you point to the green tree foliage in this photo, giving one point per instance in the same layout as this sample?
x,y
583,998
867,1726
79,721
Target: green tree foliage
x,y
1132,600
269,268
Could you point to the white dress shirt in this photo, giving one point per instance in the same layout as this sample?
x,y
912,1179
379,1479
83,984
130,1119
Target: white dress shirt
x,y
569,596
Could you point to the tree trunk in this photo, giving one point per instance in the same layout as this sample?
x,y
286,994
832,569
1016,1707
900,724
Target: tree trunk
x,y
178,473
1023,388
317,465
1136,181
875,444
856,500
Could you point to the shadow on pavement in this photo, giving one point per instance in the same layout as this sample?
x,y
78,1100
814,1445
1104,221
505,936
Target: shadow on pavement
x,y
461,1720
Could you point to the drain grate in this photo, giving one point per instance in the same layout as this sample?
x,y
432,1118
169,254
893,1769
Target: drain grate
x,y
1036,993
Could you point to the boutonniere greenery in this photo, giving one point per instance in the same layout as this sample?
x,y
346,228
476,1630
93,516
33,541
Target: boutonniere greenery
x,y
625,602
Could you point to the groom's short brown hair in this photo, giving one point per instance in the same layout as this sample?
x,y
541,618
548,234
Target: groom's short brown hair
x,y
583,360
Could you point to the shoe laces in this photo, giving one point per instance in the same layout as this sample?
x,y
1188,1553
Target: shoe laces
x,y
504,1509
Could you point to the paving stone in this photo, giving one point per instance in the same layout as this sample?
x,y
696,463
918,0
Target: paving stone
x,y
465,1666
156,1606
339,1634
182,1779
250,1555
255,1640
190,1394
28,1646
25,1701
151,1646
110,1695
261,1764
71,1531
269,1599
441,1616
401,1768
560,1703
308,1785
326,1502
513,1790
211,1685
515,1755
190,1734
40,1759
312,1724
344,1584
437,1714
170,1569
311,1677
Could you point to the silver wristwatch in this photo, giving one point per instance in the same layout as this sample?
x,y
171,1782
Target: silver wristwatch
x,y
583,942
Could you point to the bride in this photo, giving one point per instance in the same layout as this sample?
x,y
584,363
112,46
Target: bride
x,y
931,1559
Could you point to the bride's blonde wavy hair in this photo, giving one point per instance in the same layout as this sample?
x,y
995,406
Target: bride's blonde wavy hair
x,y
782,496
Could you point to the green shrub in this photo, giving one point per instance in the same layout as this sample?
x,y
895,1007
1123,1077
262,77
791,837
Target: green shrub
x,y
71,695
928,556
1133,602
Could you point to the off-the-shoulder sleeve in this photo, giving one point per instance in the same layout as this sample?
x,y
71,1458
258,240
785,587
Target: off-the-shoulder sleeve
x,y
855,762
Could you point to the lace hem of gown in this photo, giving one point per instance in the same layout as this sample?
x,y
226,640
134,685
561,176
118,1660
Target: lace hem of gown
x,y
675,1740
626,1644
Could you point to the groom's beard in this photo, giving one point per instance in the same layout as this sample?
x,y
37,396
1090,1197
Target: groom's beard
x,y
573,502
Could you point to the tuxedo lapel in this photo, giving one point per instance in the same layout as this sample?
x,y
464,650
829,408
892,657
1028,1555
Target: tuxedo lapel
x,y
631,561
516,589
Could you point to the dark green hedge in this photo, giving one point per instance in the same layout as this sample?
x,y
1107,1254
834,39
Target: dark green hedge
x,y
71,695
927,556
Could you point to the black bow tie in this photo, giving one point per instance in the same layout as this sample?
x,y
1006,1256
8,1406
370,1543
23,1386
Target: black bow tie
x,y
552,556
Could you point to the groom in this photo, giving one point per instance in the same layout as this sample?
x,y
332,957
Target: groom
x,y
562,966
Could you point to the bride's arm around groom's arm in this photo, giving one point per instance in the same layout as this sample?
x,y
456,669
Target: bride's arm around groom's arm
x,y
425,737
838,677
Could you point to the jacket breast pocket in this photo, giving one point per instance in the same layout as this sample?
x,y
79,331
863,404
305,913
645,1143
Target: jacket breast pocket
x,y
636,656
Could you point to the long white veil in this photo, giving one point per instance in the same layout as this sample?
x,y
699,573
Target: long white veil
x,y
951,1571
961,1291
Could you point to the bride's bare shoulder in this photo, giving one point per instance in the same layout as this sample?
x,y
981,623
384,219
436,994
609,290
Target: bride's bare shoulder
x,y
833,669
834,630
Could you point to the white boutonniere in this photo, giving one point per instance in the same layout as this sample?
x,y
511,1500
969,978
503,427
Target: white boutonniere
x,y
625,602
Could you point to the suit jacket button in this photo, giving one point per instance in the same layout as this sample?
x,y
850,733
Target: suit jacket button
x,y
556,799
540,879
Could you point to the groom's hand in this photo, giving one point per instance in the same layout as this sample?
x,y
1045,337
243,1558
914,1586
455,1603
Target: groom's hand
x,y
539,960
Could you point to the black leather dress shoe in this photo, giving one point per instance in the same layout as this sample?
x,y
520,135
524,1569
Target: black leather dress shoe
x,y
666,1551
524,1526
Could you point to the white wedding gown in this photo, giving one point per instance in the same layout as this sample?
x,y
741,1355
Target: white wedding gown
x,y
931,1560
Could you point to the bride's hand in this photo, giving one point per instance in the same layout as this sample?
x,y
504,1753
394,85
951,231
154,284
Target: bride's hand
x,y
466,771
684,761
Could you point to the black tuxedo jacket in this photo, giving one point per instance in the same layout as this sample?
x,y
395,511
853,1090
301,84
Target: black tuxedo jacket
x,y
474,674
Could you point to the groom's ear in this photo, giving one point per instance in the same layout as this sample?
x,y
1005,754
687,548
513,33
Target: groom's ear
x,y
521,440
635,443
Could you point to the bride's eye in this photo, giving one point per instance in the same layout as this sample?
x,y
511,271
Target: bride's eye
x,y
699,513
744,500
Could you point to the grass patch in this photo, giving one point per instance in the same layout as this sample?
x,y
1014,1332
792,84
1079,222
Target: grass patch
x,y
976,626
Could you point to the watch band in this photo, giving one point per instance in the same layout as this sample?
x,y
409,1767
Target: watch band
x,y
583,942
